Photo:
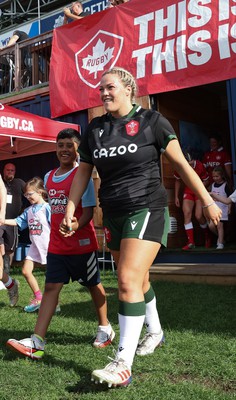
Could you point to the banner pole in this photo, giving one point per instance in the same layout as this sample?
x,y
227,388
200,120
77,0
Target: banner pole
x,y
39,18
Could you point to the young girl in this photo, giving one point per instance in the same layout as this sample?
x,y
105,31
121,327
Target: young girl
x,y
37,218
220,188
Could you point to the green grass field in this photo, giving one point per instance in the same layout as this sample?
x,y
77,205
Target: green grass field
x,y
198,361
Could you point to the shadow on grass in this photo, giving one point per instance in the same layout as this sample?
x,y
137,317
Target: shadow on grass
x,y
181,306
86,310
83,386
86,386
202,308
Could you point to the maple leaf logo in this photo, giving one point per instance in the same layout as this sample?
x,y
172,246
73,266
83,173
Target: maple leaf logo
x,y
101,57
101,52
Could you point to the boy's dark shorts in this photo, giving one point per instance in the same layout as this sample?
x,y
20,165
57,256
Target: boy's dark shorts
x,y
83,268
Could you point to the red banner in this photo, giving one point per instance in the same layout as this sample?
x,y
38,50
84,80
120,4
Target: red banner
x,y
166,45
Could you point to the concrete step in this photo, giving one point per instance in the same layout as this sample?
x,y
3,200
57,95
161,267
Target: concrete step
x,y
221,274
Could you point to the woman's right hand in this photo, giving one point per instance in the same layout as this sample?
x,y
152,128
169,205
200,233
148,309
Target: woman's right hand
x,y
212,212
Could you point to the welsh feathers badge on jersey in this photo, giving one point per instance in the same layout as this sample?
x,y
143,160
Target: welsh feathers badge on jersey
x,y
107,234
132,128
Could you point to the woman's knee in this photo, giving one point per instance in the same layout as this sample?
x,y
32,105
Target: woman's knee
x,y
129,284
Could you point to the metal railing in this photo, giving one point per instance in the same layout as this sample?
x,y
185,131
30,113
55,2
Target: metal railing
x,y
25,64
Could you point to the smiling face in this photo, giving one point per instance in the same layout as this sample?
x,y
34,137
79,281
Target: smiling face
x,y
77,8
33,195
115,96
67,152
214,144
217,177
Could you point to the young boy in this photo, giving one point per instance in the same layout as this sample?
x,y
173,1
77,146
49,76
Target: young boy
x,y
72,258
10,284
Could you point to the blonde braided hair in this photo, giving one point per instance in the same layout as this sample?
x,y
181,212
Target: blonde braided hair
x,y
126,78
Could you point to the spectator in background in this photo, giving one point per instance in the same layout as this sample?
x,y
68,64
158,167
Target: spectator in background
x,y
10,284
9,234
189,201
217,156
18,36
221,188
26,59
114,3
74,13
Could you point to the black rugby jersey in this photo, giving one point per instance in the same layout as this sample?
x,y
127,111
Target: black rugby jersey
x,y
126,152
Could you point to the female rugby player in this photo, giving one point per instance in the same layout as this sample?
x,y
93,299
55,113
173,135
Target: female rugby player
x,y
125,145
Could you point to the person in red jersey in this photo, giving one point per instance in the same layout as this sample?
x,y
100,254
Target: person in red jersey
x,y
191,201
217,157
73,258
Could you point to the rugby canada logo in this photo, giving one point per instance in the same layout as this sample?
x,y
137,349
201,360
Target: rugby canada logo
x,y
132,128
100,53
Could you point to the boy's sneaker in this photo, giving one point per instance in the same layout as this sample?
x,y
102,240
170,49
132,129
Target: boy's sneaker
x,y
116,373
30,347
220,246
13,293
149,343
103,338
189,246
33,306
